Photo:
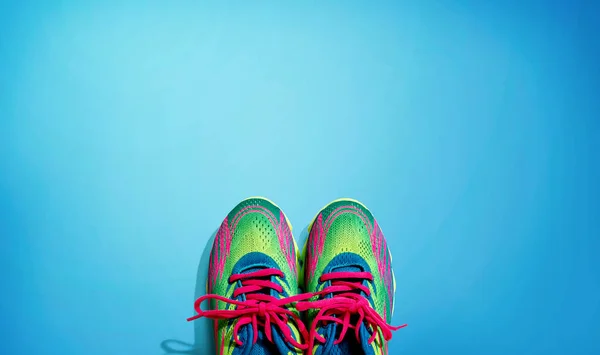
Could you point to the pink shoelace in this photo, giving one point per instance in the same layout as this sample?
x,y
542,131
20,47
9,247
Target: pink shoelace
x,y
345,303
259,309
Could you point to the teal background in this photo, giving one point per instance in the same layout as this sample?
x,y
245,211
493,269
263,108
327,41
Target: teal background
x,y
129,129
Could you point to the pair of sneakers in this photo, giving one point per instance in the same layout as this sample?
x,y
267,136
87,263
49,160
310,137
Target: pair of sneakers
x,y
265,299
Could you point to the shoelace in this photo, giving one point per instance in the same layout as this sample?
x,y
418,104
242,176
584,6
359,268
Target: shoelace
x,y
344,304
259,309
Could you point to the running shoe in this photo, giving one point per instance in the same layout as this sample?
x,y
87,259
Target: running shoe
x,y
348,272
253,283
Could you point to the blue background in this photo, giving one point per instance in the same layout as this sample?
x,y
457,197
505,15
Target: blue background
x,y
471,130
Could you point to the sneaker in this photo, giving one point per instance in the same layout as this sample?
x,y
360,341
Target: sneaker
x,y
253,283
348,271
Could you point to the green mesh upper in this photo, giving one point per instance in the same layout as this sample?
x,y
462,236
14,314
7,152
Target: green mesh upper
x,y
347,226
254,225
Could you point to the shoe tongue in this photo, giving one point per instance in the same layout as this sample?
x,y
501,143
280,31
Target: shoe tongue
x,y
270,292
263,346
350,345
348,268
